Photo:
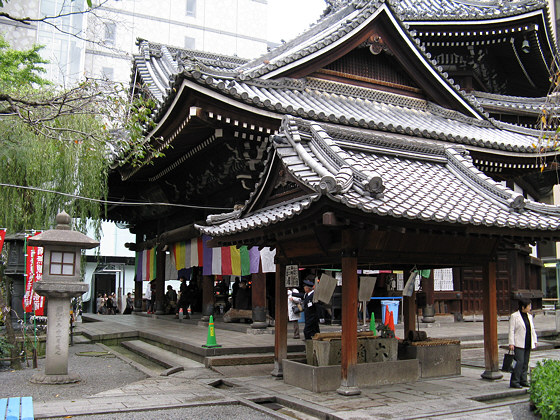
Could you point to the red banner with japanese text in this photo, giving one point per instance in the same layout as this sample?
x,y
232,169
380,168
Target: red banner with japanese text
x,y
34,269
2,236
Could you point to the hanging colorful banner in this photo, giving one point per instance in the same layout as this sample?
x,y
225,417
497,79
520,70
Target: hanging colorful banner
x,y
150,264
2,236
146,265
32,302
138,266
225,261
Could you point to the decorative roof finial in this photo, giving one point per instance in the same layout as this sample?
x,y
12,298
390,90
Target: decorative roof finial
x,y
63,220
334,5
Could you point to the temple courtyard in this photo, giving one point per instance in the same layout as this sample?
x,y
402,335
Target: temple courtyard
x,y
235,380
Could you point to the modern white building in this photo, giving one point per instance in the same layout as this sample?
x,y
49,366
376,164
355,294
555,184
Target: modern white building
x,y
100,43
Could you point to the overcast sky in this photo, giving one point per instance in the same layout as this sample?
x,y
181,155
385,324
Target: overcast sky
x,y
288,18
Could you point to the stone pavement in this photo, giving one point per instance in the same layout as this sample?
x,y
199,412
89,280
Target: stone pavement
x,y
462,396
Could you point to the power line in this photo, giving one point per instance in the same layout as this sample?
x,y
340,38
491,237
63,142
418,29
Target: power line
x,y
117,203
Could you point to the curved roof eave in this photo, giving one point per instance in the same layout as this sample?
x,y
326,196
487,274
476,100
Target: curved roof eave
x,y
544,17
430,65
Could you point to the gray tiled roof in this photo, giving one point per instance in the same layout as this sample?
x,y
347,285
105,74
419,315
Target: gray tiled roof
x,y
360,107
388,176
164,69
464,9
271,215
330,30
327,31
340,23
157,64
515,104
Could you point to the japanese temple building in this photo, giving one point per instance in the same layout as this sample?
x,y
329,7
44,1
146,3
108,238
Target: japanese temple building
x,y
388,136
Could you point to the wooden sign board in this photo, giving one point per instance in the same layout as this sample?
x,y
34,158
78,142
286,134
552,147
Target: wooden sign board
x,y
292,276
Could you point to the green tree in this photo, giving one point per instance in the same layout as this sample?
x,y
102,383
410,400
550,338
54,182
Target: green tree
x,y
50,140
57,145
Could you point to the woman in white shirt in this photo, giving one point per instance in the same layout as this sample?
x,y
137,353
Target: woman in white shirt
x,y
522,338
293,316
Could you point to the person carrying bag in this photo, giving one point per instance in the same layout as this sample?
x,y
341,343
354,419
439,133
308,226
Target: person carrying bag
x,y
294,310
522,339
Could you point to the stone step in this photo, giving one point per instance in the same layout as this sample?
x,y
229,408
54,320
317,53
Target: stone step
x,y
246,359
80,339
160,356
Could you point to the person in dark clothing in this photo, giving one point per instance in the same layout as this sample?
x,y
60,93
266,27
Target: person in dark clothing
x,y
234,290
522,338
243,298
310,309
184,299
110,305
171,299
153,298
129,304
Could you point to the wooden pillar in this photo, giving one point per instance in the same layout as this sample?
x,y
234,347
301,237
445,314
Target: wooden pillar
x,y
409,314
490,313
207,297
258,298
280,320
349,350
160,282
138,285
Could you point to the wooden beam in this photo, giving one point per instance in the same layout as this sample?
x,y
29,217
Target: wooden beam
x,y
490,313
280,320
349,351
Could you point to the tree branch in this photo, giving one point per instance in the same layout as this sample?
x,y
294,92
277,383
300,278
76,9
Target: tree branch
x,y
29,20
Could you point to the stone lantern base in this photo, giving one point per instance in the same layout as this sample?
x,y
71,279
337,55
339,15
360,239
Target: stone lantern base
x,y
42,378
58,330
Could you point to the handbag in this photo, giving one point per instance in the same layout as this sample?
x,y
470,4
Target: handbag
x,y
297,308
509,362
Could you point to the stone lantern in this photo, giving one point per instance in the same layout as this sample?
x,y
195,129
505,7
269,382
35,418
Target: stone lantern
x,y
61,282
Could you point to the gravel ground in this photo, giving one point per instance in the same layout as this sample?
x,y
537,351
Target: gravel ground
x,y
97,373
103,372
215,412
523,412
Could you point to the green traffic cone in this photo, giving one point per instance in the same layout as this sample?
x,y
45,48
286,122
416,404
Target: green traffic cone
x,y
372,325
211,340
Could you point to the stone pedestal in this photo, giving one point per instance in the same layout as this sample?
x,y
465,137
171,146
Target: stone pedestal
x,y
436,359
259,317
328,352
58,297
558,320
327,378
